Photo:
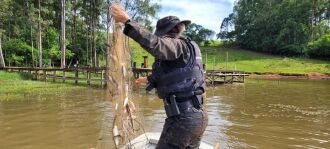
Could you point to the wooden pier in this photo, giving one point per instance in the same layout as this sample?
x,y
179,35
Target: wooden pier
x,y
211,76
98,75
85,74
225,76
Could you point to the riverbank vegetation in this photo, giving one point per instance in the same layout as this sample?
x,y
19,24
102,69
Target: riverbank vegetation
x,y
62,33
286,34
285,27
19,86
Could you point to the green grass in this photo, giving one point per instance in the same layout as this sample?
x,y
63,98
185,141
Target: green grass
x,y
138,53
249,61
254,62
16,86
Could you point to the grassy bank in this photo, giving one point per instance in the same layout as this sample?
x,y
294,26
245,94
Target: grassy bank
x,y
138,53
18,86
261,63
249,61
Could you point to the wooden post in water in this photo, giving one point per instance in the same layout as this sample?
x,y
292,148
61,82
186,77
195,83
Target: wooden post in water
x,y
76,76
232,77
224,79
63,77
45,75
54,75
33,73
243,77
102,77
38,75
88,77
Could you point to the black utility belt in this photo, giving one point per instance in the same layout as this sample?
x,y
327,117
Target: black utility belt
x,y
174,108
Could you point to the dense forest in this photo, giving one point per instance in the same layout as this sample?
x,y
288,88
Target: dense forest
x,y
285,27
62,33
37,32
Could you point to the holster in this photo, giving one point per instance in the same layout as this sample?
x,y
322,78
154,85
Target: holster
x,y
171,107
197,104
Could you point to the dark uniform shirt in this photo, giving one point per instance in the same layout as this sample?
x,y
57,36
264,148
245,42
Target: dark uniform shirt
x,y
163,48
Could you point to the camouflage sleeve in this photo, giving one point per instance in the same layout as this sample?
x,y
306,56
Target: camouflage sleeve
x,y
163,48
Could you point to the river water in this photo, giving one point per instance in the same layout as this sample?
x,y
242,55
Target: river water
x,y
257,114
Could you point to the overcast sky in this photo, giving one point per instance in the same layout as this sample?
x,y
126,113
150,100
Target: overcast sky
x,y
208,13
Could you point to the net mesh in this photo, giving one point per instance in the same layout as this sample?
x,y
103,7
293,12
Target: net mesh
x,y
126,123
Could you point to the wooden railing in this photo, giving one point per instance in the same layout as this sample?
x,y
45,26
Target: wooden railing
x,y
89,75
63,74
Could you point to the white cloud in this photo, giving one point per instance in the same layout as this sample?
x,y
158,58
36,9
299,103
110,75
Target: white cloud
x,y
208,13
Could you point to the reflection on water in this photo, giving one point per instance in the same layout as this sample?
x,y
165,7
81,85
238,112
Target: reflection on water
x,y
257,114
67,120
272,114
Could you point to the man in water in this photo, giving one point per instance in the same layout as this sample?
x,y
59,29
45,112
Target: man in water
x,y
177,74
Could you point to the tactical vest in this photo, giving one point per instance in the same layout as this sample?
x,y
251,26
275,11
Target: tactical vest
x,y
183,82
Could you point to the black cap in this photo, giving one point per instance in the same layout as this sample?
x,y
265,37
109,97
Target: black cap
x,y
166,24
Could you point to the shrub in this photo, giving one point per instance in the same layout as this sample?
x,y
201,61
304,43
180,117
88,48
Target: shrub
x,y
17,52
320,48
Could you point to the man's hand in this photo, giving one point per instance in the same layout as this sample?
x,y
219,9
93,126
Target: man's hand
x,y
141,80
118,13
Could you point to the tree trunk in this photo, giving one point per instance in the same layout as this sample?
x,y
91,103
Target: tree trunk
x,y
93,18
2,60
94,45
313,19
9,29
31,34
328,14
39,36
32,55
63,34
87,46
74,34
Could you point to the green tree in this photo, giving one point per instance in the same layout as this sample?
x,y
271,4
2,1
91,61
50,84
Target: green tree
x,y
280,27
39,26
320,47
198,33
17,52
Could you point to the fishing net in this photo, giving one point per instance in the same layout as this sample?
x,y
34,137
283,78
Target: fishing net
x,y
126,123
